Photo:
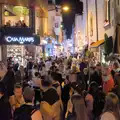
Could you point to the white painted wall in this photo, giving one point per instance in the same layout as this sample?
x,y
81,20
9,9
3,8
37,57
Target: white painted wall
x,y
101,18
51,15
81,21
81,28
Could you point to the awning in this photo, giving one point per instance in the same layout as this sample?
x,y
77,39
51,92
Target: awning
x,y
97,44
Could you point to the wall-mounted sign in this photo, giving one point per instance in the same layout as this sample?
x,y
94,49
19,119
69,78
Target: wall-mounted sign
x,y
57,23
19,40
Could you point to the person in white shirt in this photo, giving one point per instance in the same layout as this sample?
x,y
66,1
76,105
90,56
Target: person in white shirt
x,y
48,64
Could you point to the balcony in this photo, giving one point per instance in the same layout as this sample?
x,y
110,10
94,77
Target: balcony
x,y
23,31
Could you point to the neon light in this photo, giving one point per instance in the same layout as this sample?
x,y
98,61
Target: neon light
x,y
20,40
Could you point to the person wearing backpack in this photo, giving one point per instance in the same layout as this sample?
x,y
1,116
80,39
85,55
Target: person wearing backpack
x,y
55,83
50,105
28,111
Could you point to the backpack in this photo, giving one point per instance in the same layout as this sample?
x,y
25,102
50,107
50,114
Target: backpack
x,y
24,112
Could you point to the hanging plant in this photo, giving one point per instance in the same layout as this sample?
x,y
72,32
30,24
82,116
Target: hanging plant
x,y
108,45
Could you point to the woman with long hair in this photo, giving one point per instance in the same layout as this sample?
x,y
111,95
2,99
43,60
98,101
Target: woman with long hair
x,y
79,111
111,109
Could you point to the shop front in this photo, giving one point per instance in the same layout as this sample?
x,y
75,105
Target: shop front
x,y
51,47
98,50
20,43
21,18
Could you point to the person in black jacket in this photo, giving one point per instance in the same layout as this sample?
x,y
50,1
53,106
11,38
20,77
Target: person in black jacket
x,y
96,76
5,109
9,81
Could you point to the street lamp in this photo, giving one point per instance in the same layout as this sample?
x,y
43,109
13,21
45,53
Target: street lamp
x,y
66,8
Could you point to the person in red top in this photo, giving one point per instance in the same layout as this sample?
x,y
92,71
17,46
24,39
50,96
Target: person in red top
x,y
108,82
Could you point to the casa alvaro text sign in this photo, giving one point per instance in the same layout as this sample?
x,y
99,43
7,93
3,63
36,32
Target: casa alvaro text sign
x,y
19,39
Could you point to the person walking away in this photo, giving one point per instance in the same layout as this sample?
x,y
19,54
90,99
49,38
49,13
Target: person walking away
x,y
9,81
48,64
83,65
115,69
3,70
95,100
28,111
50,106
53,67
29,68
19,75
5,109
79,111
111,109
96,76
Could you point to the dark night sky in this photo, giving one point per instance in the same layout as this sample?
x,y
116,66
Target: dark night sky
x,y
68,17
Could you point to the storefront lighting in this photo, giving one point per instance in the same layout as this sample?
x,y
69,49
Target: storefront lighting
x,y
21,40
6,13
44,42
55,47
61,26
5,6
66,8
21,18
46,54
20,10
70,45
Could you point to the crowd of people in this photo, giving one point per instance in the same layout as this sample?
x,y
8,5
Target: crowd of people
x,y
17,24
60,89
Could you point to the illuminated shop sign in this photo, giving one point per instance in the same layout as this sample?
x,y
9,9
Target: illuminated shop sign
x,y
20,40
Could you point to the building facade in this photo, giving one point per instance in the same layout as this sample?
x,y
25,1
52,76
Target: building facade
x,y
54,37
35,16
99,17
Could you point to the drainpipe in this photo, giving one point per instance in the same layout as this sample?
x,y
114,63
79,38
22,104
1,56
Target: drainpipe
x,y
96,9
32,19
87,19
97,34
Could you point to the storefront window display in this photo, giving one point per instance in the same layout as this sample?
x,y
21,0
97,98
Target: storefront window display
x,y
21,53
16,52
15,14
21,44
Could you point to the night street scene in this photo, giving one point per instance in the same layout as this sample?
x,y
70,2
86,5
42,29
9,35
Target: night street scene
x,y
59,59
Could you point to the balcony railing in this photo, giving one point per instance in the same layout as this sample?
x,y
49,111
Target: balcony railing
x,y
24,31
